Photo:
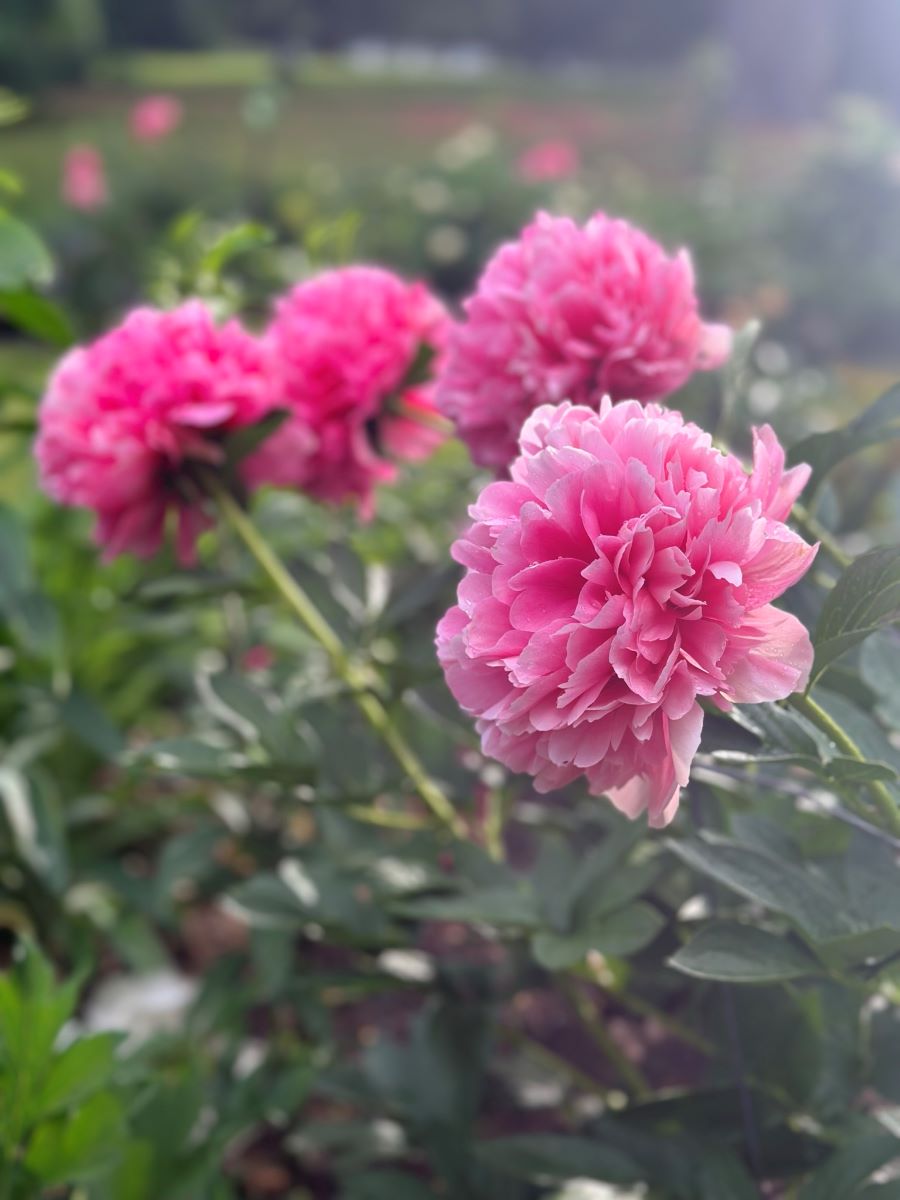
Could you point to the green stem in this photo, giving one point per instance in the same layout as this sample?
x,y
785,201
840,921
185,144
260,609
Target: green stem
x,y
550,1058
887,806
302,606
643,1008
815,529
632,1078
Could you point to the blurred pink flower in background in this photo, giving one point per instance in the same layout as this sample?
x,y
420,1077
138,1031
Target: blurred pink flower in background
x,y
155,117
84,178
548,161
572,313
626,570
344,349
123,417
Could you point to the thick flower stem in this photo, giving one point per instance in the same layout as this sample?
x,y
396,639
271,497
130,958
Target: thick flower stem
x,y
302,606
814,712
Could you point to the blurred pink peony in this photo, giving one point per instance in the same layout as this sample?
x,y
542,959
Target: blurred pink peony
x,y
626,569
548,161
155,117
123,418
84,178
344,348
569,313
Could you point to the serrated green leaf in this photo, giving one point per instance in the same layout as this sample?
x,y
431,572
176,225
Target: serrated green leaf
x,y
75,1149
617,935
735,953
823,451
864,599
82,1068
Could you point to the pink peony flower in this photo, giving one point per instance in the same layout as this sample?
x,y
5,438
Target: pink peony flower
x,y
123,418
548,161
625,570
155,117
344,348
84,179
573,314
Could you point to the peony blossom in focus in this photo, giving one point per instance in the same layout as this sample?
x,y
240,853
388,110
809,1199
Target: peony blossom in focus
x,y
570,313
344,348
124,418
624,572
84,179
546,162
155,117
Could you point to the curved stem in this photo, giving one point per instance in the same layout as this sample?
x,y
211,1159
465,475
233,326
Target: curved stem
x,y
814,712
303,607
810,525
632,1078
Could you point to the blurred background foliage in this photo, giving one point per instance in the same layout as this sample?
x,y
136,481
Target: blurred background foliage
x,y
242,962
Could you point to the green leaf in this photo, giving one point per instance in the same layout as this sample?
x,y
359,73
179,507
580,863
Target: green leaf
x,y
849,1167
736,953
879,664
242,443
386,1185
805,899
864,599
539,1156
13,108
721,1175
249,236
76,1148
15,567
24,259
823,451
90,724
36,826
515,906
268,903
82,1068
38,316
617,935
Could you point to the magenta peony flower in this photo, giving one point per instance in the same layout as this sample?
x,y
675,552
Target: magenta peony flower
x,y
84,179
123,417
546,162
625,570
572,314
155,117
344,349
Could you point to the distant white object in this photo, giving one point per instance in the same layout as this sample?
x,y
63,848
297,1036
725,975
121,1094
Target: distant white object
x,y
140,1005
587,1189
370,56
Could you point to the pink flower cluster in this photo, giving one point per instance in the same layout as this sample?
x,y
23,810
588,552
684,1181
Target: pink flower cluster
x,y
123,418
344,348
84,183
547,162
569,313
625,571
155,117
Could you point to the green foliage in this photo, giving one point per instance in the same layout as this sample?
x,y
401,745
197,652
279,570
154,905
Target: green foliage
x,y
316,989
